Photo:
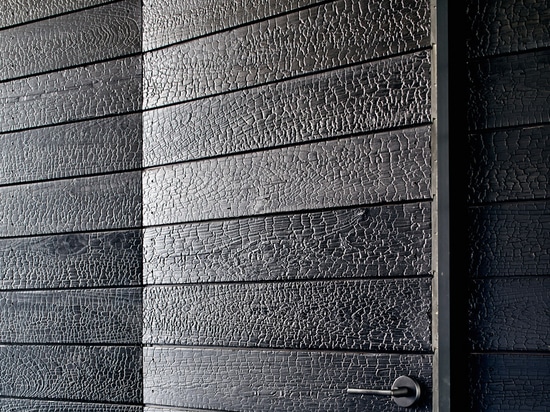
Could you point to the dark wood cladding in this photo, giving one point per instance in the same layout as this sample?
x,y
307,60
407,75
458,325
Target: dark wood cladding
x,y
509,90
509,239
337,103
94,34
369,315
96,90
62,372
171,21
270,380
506,26
71,260
385,167
34,405
14,12
318,38
87,203
510,314
74,149
392,240
71,316
510,382
510,164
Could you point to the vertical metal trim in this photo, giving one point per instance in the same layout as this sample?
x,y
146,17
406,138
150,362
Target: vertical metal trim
x,y
441,319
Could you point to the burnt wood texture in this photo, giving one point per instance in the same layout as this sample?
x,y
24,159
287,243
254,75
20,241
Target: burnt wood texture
x,y
26,405
508,222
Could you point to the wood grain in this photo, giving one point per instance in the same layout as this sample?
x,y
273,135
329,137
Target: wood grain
x,y
319,38
87,203
94,34
386,167
100,89
269,380
337,103
81,373
27,405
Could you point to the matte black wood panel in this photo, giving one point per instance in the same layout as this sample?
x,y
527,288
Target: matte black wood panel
x,y
510,314
318,38
386,167
171,21
94,146
21,11
510,383
352,100
370,315
268,380
33,405
507,26
509,165
104,374
171,409
509,90
88,203
94,34
379,241
509,239
70,261
71,316
100,89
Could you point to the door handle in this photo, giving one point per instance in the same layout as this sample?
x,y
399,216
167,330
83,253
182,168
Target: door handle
x,y
405,391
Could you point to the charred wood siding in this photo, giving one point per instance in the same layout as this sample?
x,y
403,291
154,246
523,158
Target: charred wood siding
x,y
508,116
70,190
286,203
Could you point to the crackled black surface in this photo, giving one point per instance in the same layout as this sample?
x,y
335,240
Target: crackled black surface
x,y
269,380
87,203
71,316
372,315
94,146
34,405
71,260
509,239
510,164
171,21
94,90
510,382
510,314
506,26
94,34
92,373
314,39
509,90
378,241
352,100
385,167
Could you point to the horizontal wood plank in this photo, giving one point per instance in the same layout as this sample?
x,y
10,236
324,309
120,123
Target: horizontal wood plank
x,y
379,241
74,149
385,167
509,91
94,34
269,380
506,26
82,373
20,11
71,316
510,314
171,21
319,38
509,239
34,405
510,382
509,165
337,103
88,203
71,260
96,90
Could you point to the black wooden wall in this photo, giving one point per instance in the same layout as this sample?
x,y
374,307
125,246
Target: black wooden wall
x,y
508,151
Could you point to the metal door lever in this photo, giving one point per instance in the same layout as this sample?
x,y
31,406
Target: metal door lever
x,y
405,391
